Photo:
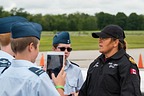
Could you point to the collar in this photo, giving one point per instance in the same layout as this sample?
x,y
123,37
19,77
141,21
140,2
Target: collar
x,y
5,54
117,55
22,63
68,64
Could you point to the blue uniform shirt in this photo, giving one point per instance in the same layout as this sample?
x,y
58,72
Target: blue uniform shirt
x,y
19,80
4,55
74,78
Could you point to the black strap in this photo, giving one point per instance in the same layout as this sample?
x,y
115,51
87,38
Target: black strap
x,y
74,63
4,69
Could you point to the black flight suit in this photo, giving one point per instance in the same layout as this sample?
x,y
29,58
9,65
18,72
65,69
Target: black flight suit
x,y
114,76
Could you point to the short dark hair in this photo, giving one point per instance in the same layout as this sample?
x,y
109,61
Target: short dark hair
x,y
55,45
19,44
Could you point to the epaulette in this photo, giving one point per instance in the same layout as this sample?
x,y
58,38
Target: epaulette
x,y
37,71
74,63
4,62
130,59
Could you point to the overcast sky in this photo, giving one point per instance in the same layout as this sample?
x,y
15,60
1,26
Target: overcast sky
x,y
71,6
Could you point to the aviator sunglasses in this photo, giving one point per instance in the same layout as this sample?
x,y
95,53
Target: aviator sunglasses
x,y
63,49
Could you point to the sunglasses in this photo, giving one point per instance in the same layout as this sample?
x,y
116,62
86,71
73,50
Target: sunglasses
x,y
63,49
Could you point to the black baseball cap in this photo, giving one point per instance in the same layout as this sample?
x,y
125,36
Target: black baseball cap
x,y
110,31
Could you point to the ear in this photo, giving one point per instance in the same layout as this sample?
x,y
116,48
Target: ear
x,y
30,47
53,48
116,42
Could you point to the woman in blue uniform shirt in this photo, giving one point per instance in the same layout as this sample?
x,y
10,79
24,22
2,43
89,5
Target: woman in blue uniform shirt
x,y
114,72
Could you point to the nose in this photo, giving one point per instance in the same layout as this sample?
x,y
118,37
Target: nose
x,y
66,50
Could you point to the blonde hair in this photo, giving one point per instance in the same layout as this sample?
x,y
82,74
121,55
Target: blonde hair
x,y
122,44
5,39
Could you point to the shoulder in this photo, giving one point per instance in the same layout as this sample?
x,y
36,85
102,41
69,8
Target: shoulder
x,y
94,62
74,64
4,62
73,67
130,59
37,71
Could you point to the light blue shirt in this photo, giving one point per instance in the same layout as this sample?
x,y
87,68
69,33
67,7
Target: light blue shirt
x,y
18,80
74,78
6,56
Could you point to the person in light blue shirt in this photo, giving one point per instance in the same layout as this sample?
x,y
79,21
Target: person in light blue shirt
x,y
6,54
74,78
23,78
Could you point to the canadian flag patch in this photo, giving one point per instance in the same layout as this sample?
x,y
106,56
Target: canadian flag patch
x,y
133,71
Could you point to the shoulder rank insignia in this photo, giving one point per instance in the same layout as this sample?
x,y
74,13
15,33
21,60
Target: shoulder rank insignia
x,y
132,60
37,71
4,62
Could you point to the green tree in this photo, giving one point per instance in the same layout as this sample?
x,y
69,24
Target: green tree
x,y
141,19
133,22
121,19
19,12
88,22
74,22
37,18
62,23
104,19
3,13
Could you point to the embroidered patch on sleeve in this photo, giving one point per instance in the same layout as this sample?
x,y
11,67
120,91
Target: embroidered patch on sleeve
x,y
4,62
133,71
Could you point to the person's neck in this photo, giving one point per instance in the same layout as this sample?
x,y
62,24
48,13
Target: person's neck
x,y
23,56
6,49
110,53
65,62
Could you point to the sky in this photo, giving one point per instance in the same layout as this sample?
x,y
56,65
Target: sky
x,y
72,6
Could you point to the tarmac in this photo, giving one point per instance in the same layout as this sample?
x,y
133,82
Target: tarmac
x,y
85,57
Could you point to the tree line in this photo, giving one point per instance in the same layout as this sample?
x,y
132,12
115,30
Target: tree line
x,y
79,21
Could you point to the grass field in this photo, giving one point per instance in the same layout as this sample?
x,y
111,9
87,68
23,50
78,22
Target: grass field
x,y
83,40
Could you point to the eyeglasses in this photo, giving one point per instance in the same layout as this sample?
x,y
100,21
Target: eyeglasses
x,y
63,49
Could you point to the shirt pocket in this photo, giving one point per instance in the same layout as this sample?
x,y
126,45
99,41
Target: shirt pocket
x,y
73,82
70,86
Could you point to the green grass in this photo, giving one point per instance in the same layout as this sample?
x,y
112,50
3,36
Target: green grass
x,y
83,40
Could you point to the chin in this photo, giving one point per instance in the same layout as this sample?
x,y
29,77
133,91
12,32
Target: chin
x,y
66,57
100,51
33,61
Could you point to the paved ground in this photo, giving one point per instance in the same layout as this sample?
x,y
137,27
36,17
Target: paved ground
x,y
84,58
